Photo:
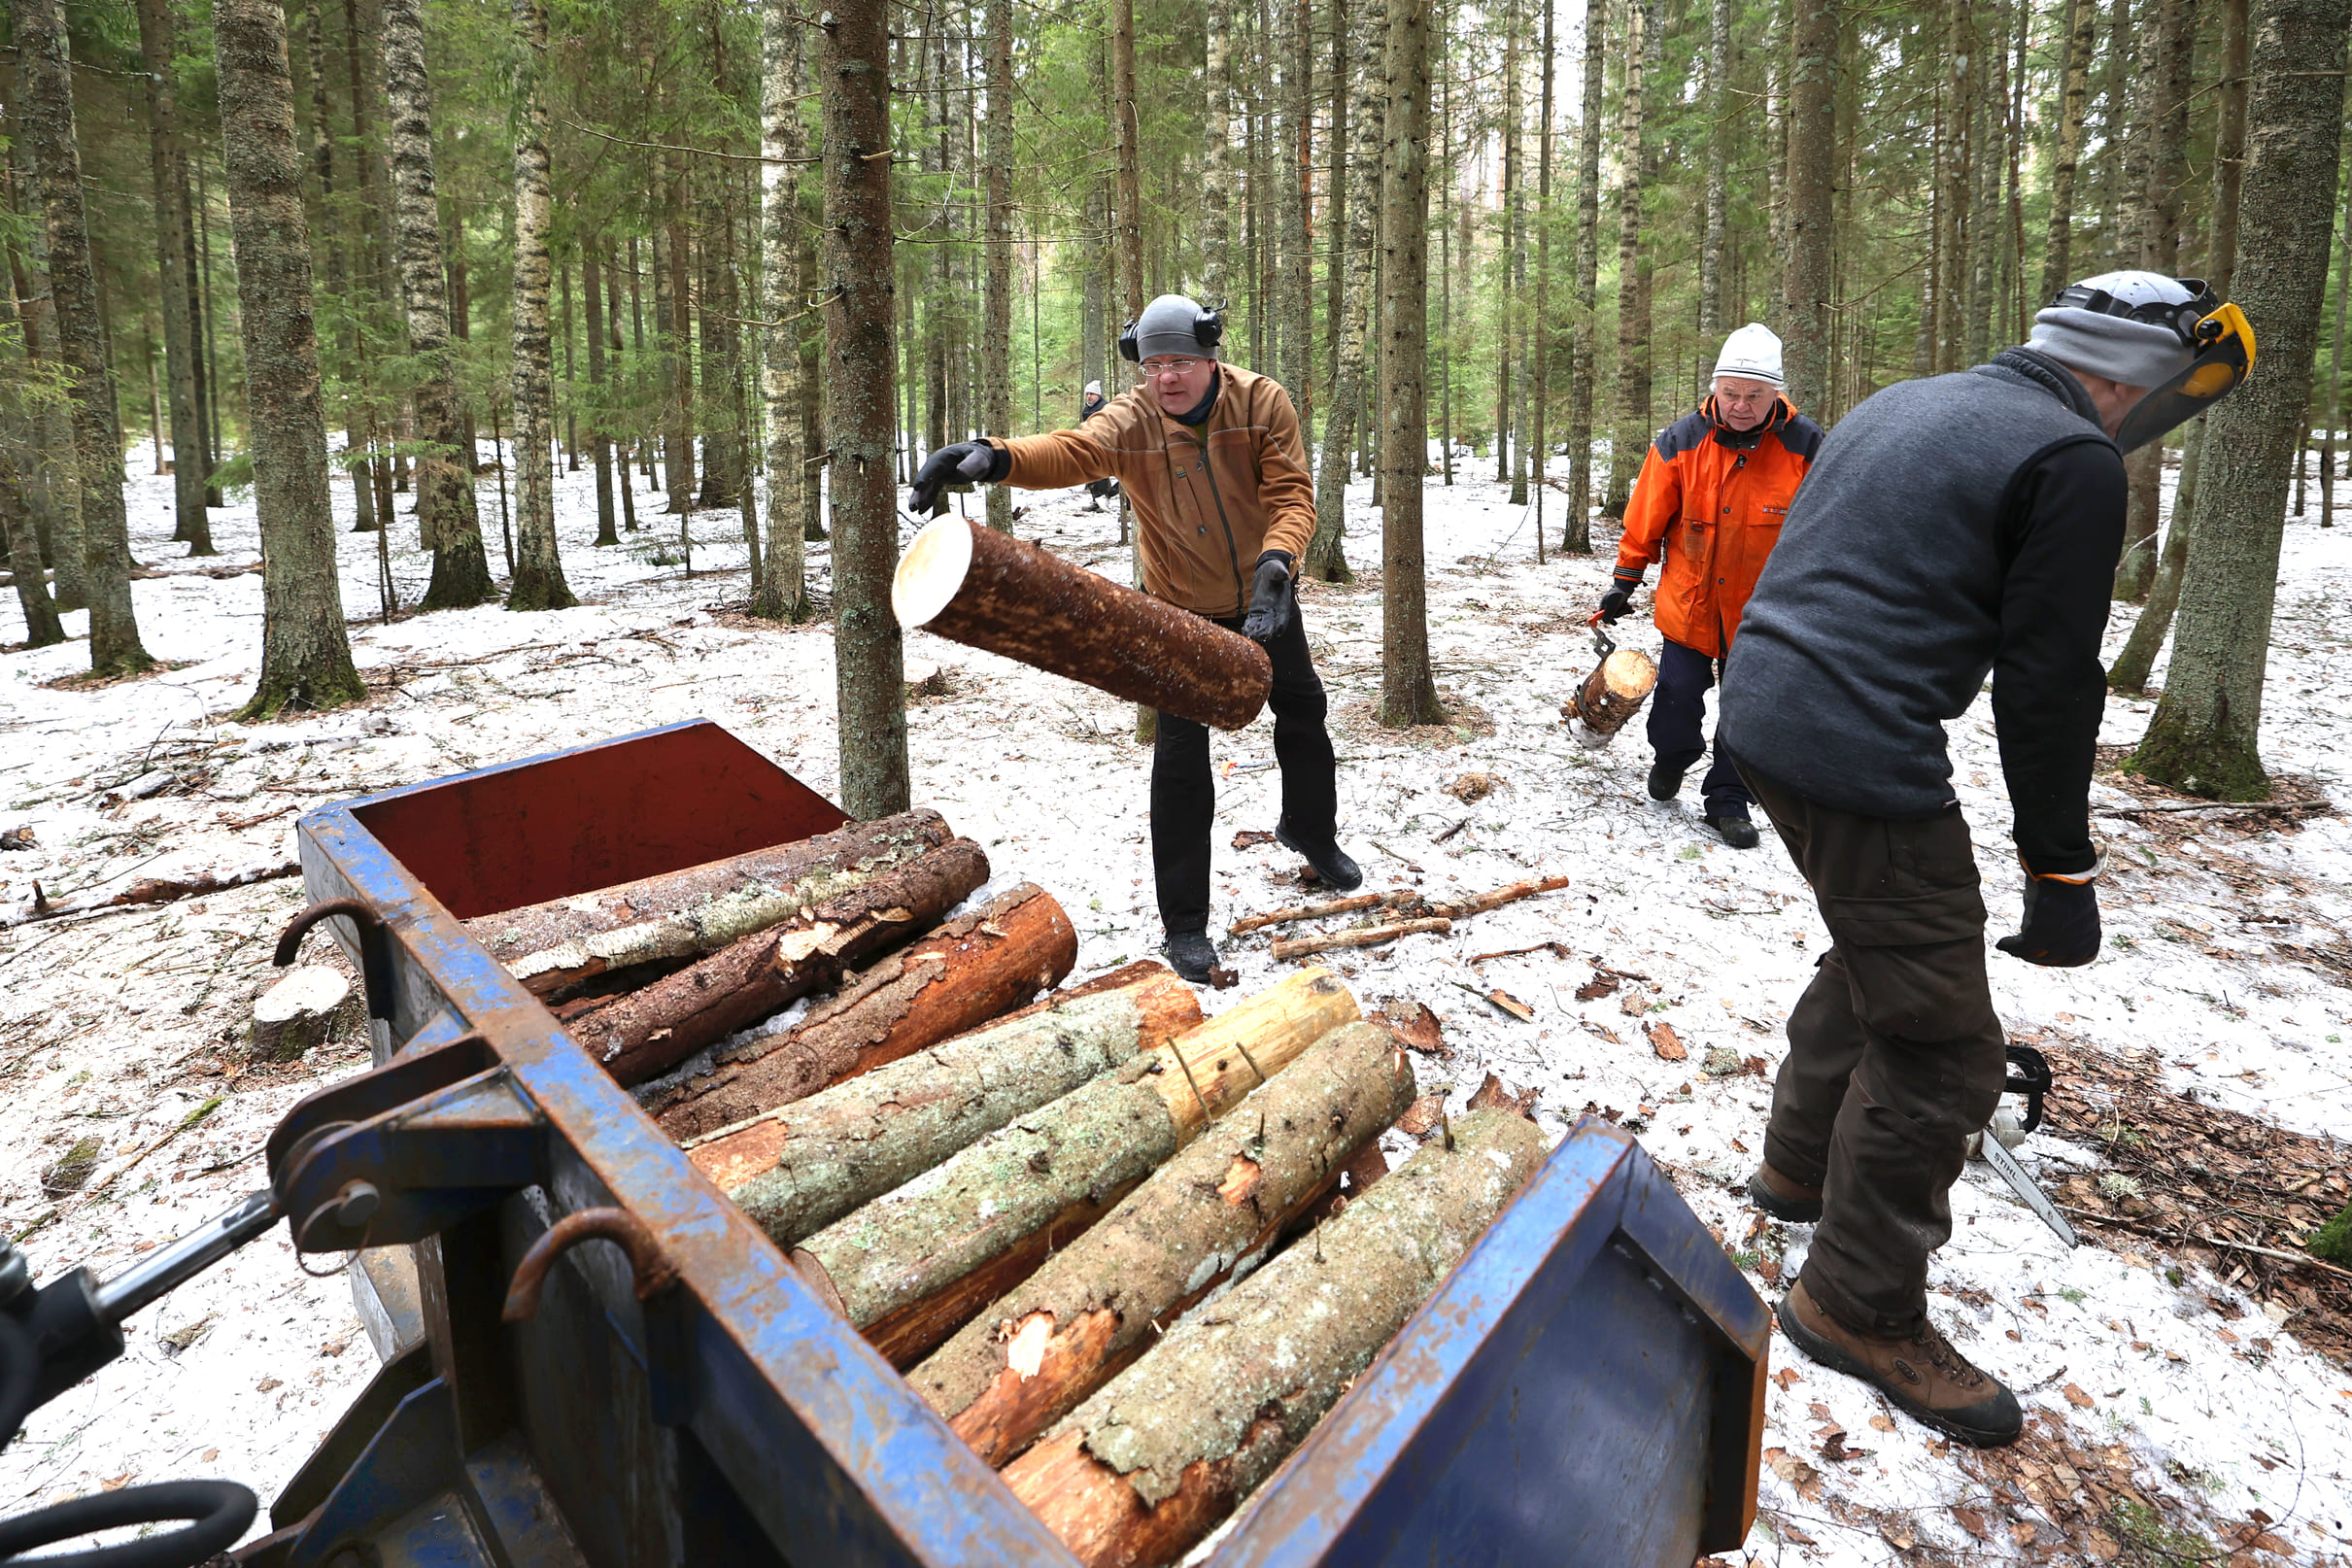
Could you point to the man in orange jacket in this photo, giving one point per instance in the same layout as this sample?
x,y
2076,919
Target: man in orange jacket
x,y
1711,498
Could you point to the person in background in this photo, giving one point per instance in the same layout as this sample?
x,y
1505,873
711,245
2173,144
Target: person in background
x,y
1210,457
1710,501
1098,491
1951,527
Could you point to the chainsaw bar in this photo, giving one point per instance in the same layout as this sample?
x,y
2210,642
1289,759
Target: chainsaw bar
x,y
1998,1156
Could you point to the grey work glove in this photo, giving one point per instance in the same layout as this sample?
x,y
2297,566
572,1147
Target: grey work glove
x,y
976,461
1271,604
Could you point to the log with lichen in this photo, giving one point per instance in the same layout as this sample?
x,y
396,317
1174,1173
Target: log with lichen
x,y
557,947
1206,1214
971,970
910,1268
1161,1454
651,1030
798,1168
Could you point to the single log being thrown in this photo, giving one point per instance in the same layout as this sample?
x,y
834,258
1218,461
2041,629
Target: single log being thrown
x,y
990,590
1612,695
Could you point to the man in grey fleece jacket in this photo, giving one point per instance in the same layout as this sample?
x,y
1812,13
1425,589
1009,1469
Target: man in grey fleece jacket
x,y
1949,528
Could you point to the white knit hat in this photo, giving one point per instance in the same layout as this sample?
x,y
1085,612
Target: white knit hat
x,y
1094,389
2137,354
1752,353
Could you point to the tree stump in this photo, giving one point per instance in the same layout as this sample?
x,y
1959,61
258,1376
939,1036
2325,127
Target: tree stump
x,y
298,1012
1610,696
990,590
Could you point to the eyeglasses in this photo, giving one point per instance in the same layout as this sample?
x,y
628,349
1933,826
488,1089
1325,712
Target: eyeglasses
x,y
1169,367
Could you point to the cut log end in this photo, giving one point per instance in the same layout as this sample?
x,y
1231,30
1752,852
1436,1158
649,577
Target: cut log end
x,y
930,571
1612,695
297,1014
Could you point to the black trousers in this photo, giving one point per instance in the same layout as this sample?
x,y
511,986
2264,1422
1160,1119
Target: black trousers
x,y
1894,1052
1185,796
1676,710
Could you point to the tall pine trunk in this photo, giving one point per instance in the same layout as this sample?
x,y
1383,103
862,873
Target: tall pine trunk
x,y
305,655
1507,466
1218,183
447,519
1326,552
783,594
45,82
2066,157
1629,440
1577,537
861,408
1539,435
996,351
17,532
1408,687
1297,295
2205,736
1717,192
2163,165
193,525
1805,316
538,582
591,295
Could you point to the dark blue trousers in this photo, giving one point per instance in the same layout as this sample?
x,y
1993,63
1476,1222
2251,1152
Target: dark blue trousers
x,y
1677,708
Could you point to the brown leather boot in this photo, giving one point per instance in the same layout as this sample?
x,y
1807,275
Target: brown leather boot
x,y
1923,1373
1782,1198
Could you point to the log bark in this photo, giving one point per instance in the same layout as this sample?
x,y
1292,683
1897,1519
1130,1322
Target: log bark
x,y
1610,696
1152,1462
912,1267
985,589
686,913
971,970
1208,1213
798,1169
649,1032
1369,937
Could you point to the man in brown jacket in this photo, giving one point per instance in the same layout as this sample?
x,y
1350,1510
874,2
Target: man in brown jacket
x,y
1210,457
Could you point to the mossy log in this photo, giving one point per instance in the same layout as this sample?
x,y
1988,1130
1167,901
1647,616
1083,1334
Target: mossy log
x,y
798,1169
1153,1461
910,1268
971,583
649,1031
1208,1213
553,948
969,971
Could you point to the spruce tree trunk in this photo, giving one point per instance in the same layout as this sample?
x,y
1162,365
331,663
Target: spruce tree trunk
x,y
1506,465
1408,687
783,594
46,122
2131,670
2074,96
305,658
591,286
1577,537
1350,400
193,525
1298,203
16,530
1539,435
538,582
996,350
2204,737
861,408
1217,180
1719,139
1959,114
1983,216
1629,439
1812,163
676,251
447,519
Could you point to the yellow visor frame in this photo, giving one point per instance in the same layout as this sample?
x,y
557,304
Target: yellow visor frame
x,y
2224,358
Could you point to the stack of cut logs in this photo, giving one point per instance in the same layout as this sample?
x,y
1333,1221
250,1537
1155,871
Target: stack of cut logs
x,y
1018,1203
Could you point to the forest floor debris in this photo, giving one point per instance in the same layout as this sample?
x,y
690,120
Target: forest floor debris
x,y
2189,1399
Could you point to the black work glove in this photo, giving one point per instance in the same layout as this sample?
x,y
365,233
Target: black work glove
x,y
2060,927
1272,608
1617,602
976,461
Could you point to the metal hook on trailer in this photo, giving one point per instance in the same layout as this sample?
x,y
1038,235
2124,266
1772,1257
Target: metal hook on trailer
x,y
375,948
649,1270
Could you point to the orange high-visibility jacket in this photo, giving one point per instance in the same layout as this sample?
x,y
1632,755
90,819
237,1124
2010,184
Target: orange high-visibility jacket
x,y
1711,500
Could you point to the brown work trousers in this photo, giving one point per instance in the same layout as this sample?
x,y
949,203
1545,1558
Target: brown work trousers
x,y
1894,1053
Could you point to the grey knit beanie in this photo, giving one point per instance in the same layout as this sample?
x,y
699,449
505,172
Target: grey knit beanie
x,y
2137,354
1166,328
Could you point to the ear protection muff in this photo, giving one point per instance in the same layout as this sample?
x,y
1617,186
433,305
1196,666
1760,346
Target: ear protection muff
x,y
1208,330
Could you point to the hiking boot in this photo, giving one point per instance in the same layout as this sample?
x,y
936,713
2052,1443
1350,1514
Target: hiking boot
x,y
1192,955
1665,783
1737,831
1782,1198
1922,1373
1329,863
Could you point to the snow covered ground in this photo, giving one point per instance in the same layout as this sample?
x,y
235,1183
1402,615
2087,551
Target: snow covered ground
x,y
117,1034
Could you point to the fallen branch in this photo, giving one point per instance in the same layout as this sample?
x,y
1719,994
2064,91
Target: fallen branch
x,y
1456,909
2154,1234
1369,937
1554,948
1315,912
155,890
2321,805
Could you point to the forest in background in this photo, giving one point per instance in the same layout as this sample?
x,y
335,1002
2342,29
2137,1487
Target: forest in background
x,y
715,252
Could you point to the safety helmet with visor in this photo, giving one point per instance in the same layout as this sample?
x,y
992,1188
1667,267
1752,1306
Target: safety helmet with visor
x,y
2215,333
